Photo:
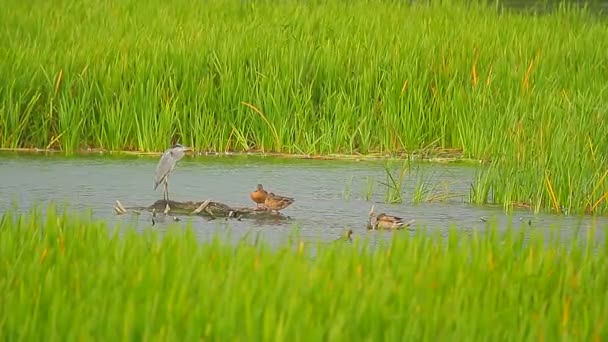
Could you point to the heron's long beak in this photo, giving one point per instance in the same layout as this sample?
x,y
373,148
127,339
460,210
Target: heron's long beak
x,y
188,148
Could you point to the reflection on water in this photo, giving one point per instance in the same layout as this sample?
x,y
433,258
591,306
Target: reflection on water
x,y
331,196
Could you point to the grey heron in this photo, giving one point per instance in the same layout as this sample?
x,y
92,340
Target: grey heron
x,y
166,164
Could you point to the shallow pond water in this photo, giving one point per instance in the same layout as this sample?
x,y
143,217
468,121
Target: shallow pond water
x,y
331,196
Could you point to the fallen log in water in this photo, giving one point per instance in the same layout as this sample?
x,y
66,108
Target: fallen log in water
x,y
206,208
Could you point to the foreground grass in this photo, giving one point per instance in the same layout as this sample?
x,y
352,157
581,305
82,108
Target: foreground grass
x,y
527,92
70,278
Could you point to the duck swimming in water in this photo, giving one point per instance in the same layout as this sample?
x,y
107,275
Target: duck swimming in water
x,y
387,222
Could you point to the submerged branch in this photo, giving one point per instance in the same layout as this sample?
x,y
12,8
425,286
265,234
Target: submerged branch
x,y
206,208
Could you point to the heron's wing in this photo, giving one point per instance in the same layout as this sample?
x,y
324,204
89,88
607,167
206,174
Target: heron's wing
x,y
164,167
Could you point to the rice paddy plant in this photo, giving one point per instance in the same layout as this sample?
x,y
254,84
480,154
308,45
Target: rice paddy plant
x,y
553,174
525,90
67,276
194,83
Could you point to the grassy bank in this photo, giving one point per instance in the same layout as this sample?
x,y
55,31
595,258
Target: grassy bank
x,y
68,277
527,92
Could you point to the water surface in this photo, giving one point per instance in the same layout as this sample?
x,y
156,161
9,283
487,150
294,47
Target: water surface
x,y
330,195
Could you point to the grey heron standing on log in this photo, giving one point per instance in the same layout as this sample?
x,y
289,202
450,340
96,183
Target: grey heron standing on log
x,y
166,164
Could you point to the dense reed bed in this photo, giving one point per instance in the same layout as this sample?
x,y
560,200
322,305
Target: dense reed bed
x,y
67,277
526,92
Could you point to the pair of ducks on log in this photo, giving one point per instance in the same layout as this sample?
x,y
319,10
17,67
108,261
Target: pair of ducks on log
x,y
269,201
272,202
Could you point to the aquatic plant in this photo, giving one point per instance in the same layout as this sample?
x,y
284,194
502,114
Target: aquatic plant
x,y
526,92
347,193
369,188
394,182
68,276
427,190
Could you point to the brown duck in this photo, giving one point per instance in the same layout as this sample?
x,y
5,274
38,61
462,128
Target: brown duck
x,y
387,222
259,195
276,203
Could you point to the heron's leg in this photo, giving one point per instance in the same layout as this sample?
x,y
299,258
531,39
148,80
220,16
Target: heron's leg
x,y
166,183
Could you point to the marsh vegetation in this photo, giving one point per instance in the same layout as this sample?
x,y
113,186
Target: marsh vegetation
x,y
67,276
